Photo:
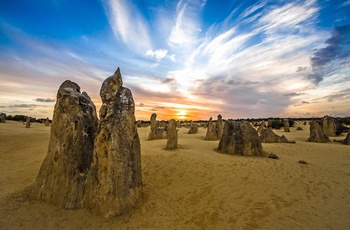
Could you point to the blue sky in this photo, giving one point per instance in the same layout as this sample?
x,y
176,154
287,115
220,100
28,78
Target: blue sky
x,y
181,59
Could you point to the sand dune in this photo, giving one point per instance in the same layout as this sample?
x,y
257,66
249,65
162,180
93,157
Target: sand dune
x,y
193,187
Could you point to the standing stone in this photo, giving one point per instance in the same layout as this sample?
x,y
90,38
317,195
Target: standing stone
x,y
316,133
27,122
286,125
346,141
220,126
2,118
240,138
62,176
329,126
172,135
114,181
211,131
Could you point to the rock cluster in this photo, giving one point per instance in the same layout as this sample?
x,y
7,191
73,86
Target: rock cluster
x,y
316,133
157,132
62,176
240,138
172,135
91,165
329,126
193,128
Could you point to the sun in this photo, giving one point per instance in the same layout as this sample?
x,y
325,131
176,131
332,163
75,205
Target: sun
x,y
182,114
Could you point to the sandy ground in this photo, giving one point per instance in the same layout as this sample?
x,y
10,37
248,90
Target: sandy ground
x,y
193,187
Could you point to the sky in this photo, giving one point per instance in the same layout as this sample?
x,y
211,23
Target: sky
x,y
187,59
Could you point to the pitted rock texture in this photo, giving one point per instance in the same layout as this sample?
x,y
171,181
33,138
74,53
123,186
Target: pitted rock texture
x,y
114,181
61,179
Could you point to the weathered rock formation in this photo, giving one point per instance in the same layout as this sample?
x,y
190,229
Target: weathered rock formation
x,y
193,128
114,181
268,136
316,133
172,135
240,138
329,126
27,122
261,127
61,179
286,125
346,141
212,134
220,126
157,132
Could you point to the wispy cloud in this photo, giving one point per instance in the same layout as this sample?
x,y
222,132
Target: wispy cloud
x,y
186,28
44,100
129,25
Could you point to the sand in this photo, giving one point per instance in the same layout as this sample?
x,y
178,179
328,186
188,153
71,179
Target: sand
x,y
193,187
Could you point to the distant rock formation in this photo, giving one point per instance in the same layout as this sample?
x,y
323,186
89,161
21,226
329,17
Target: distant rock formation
x,y
193,128
61,179
346,141
316,133
114,181
47,122
220,126
157,132
286,125
261,127
27,122
212,134
329,126
172,135
268,136
240,138
2,118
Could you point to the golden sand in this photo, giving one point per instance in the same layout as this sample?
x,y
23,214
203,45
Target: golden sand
x,y
193,187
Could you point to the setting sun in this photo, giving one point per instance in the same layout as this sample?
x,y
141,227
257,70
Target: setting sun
x,y
182,114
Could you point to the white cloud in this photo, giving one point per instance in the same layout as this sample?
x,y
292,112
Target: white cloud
x,y
128,25
157,54
186,28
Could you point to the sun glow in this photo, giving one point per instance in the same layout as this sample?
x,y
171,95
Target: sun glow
x,y
182,114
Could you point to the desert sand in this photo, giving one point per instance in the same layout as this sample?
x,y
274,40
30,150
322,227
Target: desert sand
x,y
193,187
